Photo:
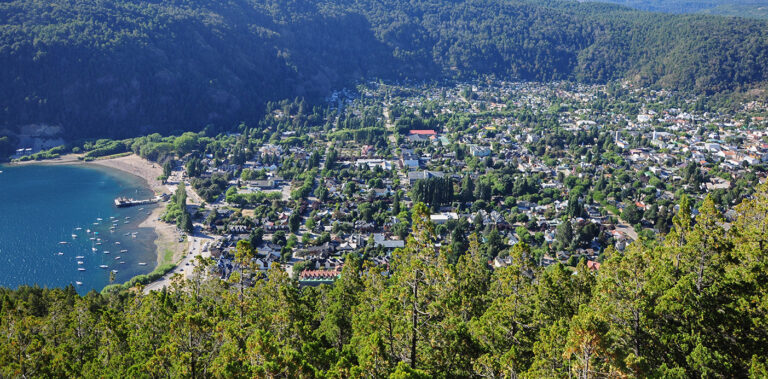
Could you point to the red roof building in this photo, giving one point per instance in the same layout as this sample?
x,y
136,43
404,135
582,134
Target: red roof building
x,y
423,132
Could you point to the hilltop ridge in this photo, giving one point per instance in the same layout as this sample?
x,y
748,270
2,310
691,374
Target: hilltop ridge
x,y
118,69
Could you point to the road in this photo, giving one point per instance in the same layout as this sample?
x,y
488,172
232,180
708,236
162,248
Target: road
x,y
198,244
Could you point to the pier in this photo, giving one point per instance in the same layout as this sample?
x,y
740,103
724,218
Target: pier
x,y
123,202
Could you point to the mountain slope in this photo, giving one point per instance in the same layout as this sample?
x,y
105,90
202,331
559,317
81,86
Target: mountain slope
x,y
741,8
107,68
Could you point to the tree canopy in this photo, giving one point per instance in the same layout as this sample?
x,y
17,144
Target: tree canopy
x,y
118,69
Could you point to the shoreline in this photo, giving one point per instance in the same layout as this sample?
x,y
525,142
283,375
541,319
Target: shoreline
x,y
167,247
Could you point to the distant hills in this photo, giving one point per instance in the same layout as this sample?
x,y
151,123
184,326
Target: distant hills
x,y
739,8
107,68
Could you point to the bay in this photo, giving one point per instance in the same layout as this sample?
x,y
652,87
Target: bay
x,y
41,209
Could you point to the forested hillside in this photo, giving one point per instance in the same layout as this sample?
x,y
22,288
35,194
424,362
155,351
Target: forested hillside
x,y
694,305
108,68
740,8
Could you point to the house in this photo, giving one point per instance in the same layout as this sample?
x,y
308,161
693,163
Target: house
x,y
479,151
408,159
317,277
263,184
414,176
442,218
380,241
422,135
317,251
239,229
422,132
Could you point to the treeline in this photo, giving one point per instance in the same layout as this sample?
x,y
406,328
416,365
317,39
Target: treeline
x,y
740,8
692,305
120,69
176,211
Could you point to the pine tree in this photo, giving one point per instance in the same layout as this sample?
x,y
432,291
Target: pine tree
x,y
506,331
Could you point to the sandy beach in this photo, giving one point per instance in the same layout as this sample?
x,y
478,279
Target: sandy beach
x,y
168,248
135,165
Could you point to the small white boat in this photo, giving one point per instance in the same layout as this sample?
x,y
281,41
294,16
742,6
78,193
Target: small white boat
x,y
78,228
98,243
95,223
111,217
117,242
80,262
98,218
117,258
126,222
79,283
115,271
88,230
79,257
80,269
103,266
106,251
59,253
122,262
142,264
74,236
123,251
92,238
63,243
94,249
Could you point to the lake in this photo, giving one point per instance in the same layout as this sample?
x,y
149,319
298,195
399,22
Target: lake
x,y
59,226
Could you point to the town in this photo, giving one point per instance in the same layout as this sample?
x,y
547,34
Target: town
x,y
569,169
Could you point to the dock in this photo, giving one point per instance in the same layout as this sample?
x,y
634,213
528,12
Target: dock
x,y
123,202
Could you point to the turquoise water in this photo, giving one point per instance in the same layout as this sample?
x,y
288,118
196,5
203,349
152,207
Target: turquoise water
x,y
43,205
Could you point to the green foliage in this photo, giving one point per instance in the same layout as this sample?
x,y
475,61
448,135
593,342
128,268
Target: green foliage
x,y
212,187
176,211
119,68
252,198
103,148
741,8
434,191
691,304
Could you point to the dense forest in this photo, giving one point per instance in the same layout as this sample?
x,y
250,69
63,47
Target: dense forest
x,y
740,8
693,304
125,68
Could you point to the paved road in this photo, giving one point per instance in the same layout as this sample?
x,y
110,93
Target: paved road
x,y
196,244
